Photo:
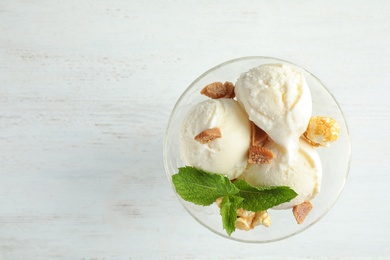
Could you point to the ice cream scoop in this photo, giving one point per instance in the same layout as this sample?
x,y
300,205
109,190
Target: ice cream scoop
x,y
227,151
278,100
303,174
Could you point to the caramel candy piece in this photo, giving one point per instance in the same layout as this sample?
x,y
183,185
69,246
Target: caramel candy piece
x,y
217,90
208,135
301,211
321,131
259,155
258,136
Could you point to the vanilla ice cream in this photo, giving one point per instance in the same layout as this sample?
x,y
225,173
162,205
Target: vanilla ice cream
x,y
278,100
225,155
303,175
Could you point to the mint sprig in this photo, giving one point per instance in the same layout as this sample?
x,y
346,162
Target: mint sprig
x,y
201,187
228,211
262,198
204,188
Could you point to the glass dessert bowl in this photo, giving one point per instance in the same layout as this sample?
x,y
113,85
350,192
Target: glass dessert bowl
x,y
335,159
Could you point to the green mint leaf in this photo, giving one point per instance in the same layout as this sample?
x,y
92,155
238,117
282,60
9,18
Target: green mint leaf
x,y
204,188
201,187
229,206
263,198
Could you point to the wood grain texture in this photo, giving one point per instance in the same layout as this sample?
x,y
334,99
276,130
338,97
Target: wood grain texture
x,y
86,89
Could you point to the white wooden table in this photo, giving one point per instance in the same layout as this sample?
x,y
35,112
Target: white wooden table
x,y
86,89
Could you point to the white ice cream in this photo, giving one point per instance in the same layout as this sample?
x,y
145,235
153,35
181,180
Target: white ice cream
x,y
226,155
278,100
303,175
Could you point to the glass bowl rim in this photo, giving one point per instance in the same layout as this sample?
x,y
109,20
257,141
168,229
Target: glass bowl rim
x,y
168,175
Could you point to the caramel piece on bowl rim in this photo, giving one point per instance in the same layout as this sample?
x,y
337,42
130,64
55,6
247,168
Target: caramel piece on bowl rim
x,y
300,211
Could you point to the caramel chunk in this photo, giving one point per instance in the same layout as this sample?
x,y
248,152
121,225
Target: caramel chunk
x,y
301,211
259,155
208,135
321,131
217,90
258,136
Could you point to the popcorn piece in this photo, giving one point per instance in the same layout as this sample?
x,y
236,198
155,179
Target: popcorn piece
x,y
208,135
247,220
243,224
217,90
219,201
245,213
261,218
244,219
301,211
321,131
